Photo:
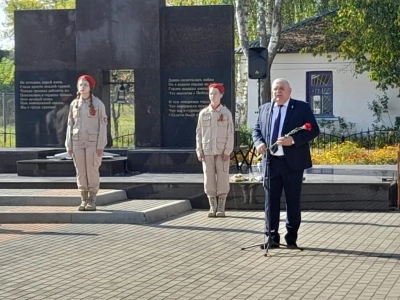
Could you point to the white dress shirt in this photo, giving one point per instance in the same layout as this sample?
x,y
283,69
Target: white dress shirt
x,y
275,111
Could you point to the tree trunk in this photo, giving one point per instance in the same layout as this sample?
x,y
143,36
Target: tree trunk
x,y
275,32
115,118
115,113
268,14
262,36
242,17
261,23
273,45
241,88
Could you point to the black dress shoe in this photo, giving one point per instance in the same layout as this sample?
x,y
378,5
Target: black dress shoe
x,y
291,245
272,246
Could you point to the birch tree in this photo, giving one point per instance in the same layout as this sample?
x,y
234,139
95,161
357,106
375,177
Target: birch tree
x,y
242,22
275,22
273,45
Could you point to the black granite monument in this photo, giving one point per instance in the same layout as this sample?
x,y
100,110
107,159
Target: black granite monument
x,y
175,53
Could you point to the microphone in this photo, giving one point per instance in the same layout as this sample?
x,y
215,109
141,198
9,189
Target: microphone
x,y
272,103
269,121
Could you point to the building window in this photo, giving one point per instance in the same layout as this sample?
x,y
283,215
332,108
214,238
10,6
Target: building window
x,y
320,92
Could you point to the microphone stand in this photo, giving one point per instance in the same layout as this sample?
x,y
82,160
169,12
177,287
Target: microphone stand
x,y
267,187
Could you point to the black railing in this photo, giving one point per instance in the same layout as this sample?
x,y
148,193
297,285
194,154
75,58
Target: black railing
x,y
244,151
126,140
370,139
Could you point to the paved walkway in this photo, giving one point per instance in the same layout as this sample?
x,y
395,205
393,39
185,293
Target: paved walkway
x,y
347,256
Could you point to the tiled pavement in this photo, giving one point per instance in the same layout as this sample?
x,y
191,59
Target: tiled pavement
x,y
54,197
45,192
131,205
119,212
347,256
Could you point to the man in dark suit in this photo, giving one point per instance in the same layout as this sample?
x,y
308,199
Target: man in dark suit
x,y
287,161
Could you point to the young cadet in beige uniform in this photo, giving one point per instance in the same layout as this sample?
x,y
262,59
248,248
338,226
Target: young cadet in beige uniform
x,y
86,139
214,145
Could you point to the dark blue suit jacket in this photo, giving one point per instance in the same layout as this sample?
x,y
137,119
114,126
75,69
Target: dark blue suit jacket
x,y
298,113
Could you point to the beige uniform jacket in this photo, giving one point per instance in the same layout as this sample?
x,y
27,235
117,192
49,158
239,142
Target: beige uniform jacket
x,y
87,124
214,131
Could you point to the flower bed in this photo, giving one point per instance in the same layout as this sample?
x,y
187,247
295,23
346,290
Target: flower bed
x,y
347,153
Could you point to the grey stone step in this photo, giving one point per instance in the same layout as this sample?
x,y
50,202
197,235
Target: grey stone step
x,y
124,212
55,197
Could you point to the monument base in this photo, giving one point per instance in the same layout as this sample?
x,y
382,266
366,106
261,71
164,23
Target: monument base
x,y
56,167
10,156
33,162
162,160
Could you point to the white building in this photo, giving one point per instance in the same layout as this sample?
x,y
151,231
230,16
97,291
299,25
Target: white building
x,y
330,86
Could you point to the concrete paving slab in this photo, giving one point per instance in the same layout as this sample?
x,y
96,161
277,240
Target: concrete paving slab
x,y
55,197
124,212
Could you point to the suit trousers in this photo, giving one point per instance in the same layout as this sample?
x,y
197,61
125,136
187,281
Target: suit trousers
x,y
284,178
87,164
216,176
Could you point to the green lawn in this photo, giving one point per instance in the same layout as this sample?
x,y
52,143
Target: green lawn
x,y
126,128
7,137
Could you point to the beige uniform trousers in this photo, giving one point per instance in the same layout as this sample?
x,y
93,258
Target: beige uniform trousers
x,y
87,164
216,176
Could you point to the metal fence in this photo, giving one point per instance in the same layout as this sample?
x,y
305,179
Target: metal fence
x,y
7,120
124,141
125,137
370,139
245,152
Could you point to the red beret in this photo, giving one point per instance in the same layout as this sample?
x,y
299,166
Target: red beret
x,y
90,79
217,86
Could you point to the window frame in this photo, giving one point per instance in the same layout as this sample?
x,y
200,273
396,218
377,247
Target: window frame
x,y
309,74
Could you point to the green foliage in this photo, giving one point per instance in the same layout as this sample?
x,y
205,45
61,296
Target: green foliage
x,y
245,136
6,75
197,2
7,137
295,11
368,33
339,127
125,137
380,108
4,53
334,133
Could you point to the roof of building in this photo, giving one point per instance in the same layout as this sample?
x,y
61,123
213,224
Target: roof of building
x,y
308,33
